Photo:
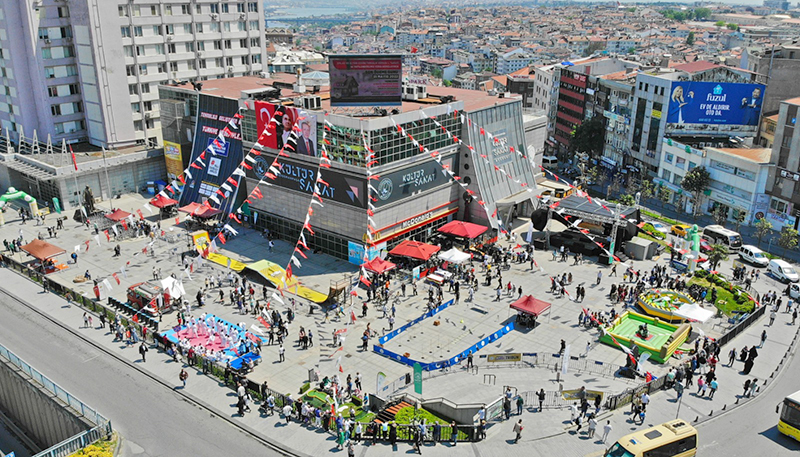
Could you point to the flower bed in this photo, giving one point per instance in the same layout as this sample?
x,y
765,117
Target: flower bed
x,y
730,297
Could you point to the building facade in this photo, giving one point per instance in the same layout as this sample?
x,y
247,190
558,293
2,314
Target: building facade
x,y
88,70
783,185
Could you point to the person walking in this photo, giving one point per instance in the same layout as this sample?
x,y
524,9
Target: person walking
x,y
763,338
794,316
771,317
592,426
541,396
183,376
599,277
713,386
454,432
281,353
518,431
606,431
731,357
520,403
143,351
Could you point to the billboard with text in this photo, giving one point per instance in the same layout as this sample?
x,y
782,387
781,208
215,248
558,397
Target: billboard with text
x,y
715,103
397,185
366,80
279,122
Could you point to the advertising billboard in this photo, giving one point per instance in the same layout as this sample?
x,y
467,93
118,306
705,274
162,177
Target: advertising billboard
x,y
366,80
173,158
409,181
715,103
213,115
280,120
301,177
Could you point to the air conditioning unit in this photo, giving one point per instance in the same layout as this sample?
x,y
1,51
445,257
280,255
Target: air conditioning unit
x,y
199,53
214,16
170,38
47,40
230,69
242,17
313,102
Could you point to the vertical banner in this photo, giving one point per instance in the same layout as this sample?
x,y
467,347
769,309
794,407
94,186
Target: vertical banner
x,y
565,360
173,158
380,380
279,121
417,378
213,116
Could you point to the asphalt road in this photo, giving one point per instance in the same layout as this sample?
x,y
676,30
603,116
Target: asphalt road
x,y
753,428
153,419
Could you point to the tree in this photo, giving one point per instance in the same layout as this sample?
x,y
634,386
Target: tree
x,y
436,73
627,199
696,181
702,13
788,239
720,215
717,254
763,227
739,218
447,83
615,185
589,137
631,50
720,23
690,39
593,175
732,26
647,189
665,195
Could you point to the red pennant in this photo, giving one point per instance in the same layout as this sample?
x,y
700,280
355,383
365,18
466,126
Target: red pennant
x,y
233,216
222,237
139,212
182,179
366,282
233,182
194,165
177,220
289,271
108,237
116,278
301,252
124,224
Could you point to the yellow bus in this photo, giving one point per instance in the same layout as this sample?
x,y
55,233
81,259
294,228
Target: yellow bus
x,y
671,439
789,423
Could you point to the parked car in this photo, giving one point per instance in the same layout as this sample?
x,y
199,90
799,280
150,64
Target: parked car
x,y
705,246
794,291
680,230
782,271
661,227
753,255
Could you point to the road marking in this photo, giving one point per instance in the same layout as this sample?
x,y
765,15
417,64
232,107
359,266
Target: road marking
x,y
91,358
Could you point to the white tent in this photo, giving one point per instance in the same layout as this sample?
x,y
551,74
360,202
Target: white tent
x,y
693,311
454,256
173,287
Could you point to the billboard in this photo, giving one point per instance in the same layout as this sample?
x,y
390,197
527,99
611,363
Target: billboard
x,y
280,120
213,115
409,181
173,158
300,177
715,103
366,80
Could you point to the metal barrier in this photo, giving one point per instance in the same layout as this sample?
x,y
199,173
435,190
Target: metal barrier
x,y
74,444
551,399
615,401
741,326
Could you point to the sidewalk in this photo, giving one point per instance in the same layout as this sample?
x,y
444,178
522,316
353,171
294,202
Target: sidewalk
x,y
543,431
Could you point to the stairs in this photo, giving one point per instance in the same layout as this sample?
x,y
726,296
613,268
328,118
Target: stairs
x,y
388,413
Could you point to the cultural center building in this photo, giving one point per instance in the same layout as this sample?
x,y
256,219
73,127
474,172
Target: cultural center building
x,y
412,194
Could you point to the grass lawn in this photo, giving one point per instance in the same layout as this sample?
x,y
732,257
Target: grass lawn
x,y
726,301
650,238
659,217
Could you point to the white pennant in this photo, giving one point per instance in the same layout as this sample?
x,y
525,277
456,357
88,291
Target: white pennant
x,y
238,172
296,262
107,284
188,173
97,238
147,207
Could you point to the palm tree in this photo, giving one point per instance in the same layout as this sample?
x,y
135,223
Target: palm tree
x,y
718,253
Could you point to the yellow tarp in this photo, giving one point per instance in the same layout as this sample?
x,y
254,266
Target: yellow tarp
x,y
201,241
275,274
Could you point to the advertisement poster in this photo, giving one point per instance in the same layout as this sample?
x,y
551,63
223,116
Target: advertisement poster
x,y
715,103
279,122
355,253
301,177
213,115
366,80
173,158
398,185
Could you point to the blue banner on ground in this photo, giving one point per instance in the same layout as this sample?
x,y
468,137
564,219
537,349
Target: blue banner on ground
x,y
213,115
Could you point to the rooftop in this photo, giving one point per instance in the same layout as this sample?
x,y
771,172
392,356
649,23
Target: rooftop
x,y
758,155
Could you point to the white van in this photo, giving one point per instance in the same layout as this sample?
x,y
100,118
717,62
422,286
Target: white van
x,y
753,255
550,162
781,270
717,234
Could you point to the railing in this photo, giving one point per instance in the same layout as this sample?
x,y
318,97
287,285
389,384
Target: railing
x,y
741,326
551,399
74,444
615,401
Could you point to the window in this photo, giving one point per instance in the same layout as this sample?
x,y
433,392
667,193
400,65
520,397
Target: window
x,y
692,165
226,27
157,30
666,175
253,25
192,65
148,106
143,69
171,48
63,11
675,448
50,72
43,33
225,8
198,9
218,62
167,10
680,162
130,70
669,158
170,29
173,66
214,27
159,48
229,61
74,89
240,7
202,64
199,27
215,8
161,68
153,10
137,31
137,125
55,110
256,58
187,29
47,53
778,206
125,32
72,70
123,11
77,107
52,91
128,50
227,44
241,26
133,89
243,43
185,9
189,46
201,45
676,179
139,50
252,7
149,123
245,60
137,11
145,88
136,107
255,42
217,45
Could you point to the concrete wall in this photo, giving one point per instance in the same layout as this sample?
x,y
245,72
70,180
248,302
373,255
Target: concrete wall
x,y
44,418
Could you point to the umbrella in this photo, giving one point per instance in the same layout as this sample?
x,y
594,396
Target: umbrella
x,y
118,215
414,250
379,265
463,229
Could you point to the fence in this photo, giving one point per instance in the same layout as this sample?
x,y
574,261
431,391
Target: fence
x,y
74,444
741,326
615,401
551,399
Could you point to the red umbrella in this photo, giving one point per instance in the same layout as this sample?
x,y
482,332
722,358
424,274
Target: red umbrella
x,y
118,215
463,229
414,250
379,265
159,201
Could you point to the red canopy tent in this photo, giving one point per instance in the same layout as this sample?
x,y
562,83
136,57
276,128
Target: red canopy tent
x,y
463,229
414,250
529,305
42,250
118,215
198,210
379,265
159,201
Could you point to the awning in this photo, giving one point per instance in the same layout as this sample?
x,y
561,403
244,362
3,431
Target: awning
x,y
378,265
118,215
463,229
199,211
454,256
414,250
609,161
529,305
42,250
162,202
694,312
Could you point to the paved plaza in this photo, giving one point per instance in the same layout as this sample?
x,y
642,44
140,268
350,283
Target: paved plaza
x,y
461,325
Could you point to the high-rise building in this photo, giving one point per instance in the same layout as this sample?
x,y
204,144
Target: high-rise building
x,y
783,185
88,70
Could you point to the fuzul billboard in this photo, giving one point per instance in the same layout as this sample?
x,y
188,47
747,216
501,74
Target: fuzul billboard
x,y
366,80
715,103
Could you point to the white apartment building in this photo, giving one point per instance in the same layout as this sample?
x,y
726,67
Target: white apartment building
x,y
89,70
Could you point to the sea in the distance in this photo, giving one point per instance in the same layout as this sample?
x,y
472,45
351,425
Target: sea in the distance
x,y
274,17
